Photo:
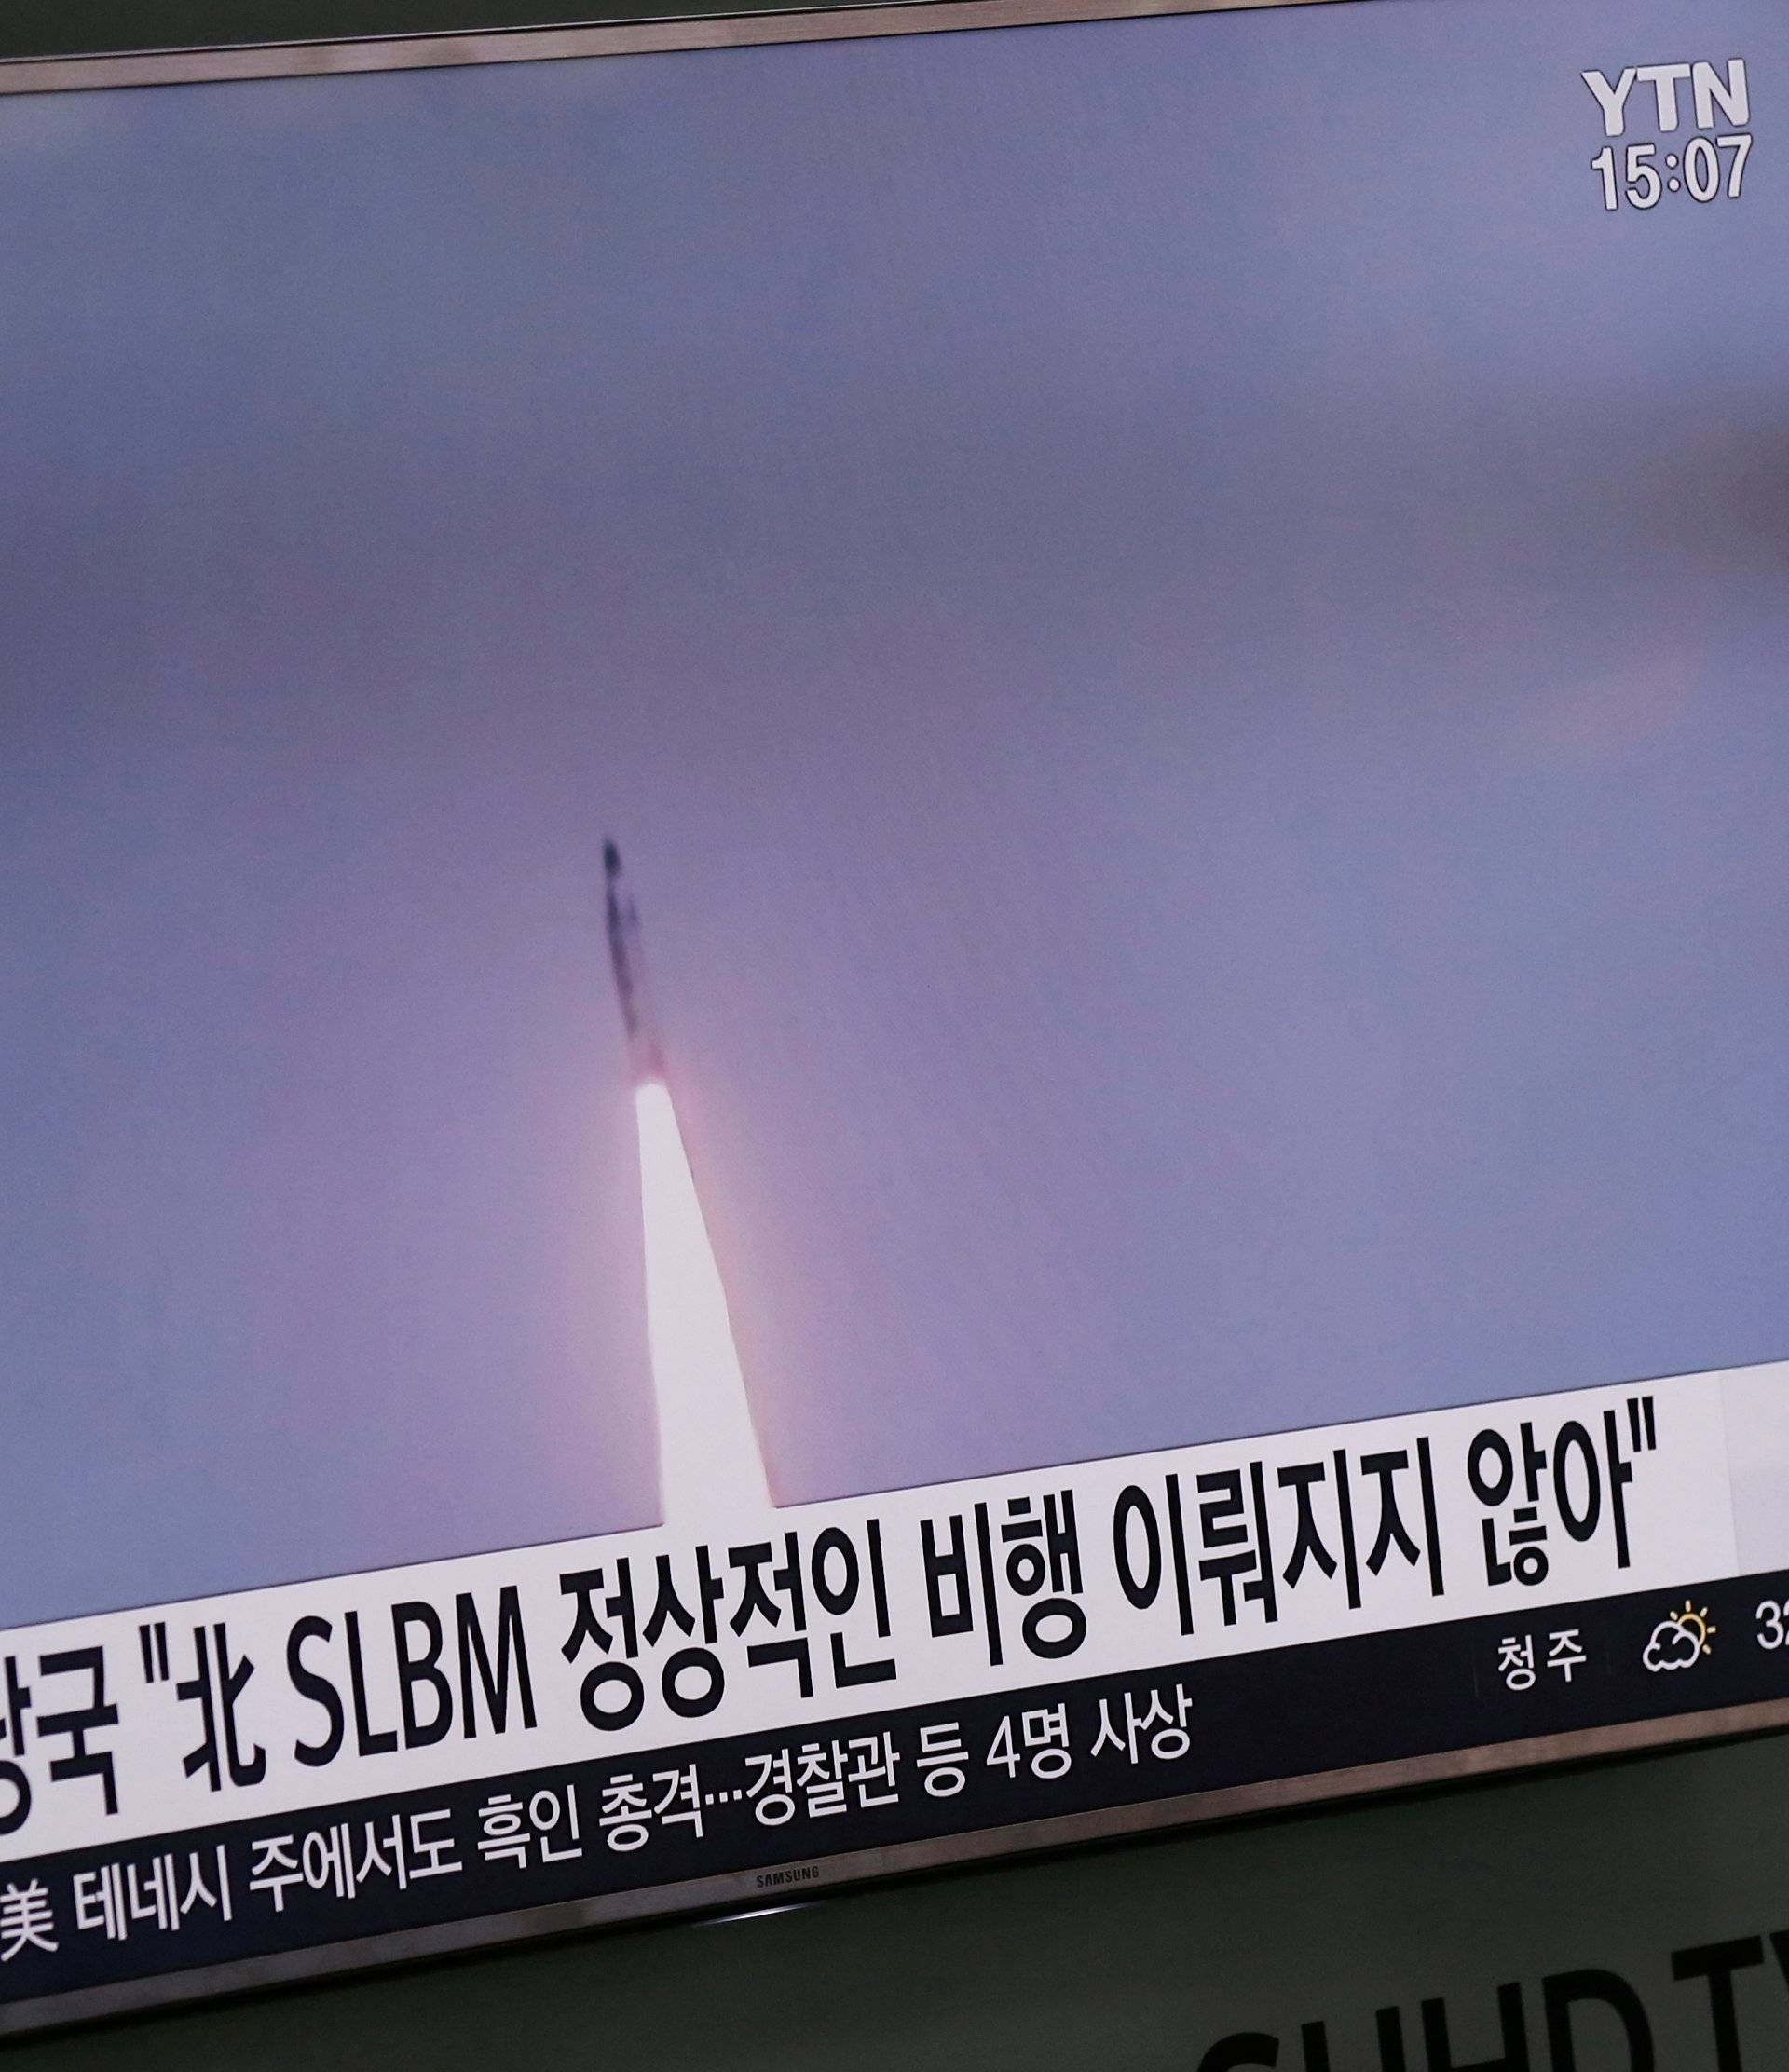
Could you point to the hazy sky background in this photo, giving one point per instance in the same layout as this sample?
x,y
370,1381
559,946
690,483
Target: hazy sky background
x,y
1187,642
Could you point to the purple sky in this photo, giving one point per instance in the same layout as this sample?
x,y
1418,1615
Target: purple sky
x,y
1185,638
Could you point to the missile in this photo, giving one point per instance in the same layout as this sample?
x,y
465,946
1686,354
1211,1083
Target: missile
x,y
645,1050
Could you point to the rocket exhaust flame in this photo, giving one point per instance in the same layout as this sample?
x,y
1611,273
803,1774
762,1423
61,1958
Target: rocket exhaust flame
x,y
711,1470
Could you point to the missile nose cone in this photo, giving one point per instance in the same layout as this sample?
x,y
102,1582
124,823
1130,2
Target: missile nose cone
x,y
628,965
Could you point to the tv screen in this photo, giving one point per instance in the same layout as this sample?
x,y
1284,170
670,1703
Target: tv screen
x,y
896,960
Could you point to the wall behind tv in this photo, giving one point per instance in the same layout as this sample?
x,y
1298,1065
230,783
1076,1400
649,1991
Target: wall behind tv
x,y
45,29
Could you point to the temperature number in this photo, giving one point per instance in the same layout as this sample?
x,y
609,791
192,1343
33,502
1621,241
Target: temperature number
x,y
1773,1624
1703,173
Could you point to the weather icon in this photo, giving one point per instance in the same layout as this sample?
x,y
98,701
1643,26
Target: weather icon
x,y
1680,1639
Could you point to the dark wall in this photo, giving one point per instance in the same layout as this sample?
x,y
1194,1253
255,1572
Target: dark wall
x,y
45,29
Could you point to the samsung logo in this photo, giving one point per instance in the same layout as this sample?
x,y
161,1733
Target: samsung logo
x,y
804,1874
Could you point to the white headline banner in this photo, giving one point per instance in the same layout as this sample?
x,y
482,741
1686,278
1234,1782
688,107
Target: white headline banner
x,y
268,1701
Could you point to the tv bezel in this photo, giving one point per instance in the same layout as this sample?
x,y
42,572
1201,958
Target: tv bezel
x,y
219,62
736,1892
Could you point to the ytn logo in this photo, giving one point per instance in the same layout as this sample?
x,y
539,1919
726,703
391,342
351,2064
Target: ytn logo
x,y
1706,85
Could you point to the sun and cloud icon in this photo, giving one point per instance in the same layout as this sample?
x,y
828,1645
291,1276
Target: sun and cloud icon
x,y
1680,1639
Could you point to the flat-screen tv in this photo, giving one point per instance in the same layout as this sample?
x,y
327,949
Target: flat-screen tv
x,y
895,923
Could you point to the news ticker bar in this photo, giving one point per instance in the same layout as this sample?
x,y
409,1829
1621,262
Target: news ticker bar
x,y
778,1807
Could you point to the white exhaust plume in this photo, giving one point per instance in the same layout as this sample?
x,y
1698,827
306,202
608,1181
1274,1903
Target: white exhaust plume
x,y
711,1471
